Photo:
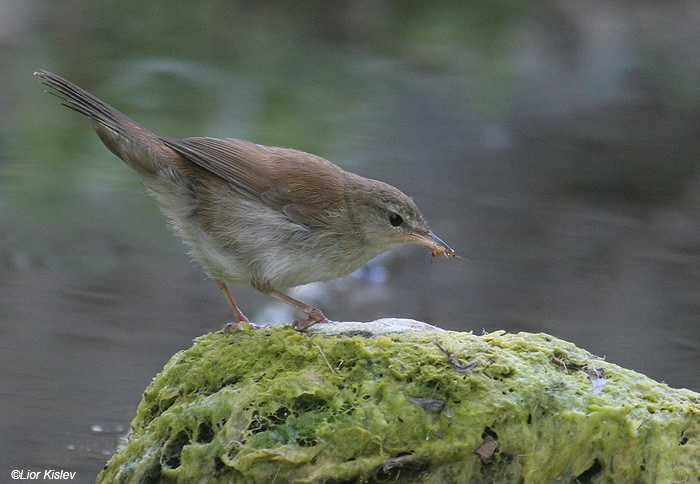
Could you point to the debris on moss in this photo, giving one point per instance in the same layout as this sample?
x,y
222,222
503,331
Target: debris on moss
x,y
424,406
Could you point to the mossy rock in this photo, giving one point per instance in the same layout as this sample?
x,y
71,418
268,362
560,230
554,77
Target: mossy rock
x,y
278,406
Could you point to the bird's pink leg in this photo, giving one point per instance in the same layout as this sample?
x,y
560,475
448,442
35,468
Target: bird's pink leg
x,y
315,315
232,327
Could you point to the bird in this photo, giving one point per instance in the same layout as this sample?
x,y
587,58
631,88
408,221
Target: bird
x,y
254,215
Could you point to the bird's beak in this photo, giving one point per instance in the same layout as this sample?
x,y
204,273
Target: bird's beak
x,y
432,241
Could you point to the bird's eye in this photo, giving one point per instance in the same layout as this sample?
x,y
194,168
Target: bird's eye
x,y
395,219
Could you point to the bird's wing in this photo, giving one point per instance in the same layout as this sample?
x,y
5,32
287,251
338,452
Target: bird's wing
x,y
305,187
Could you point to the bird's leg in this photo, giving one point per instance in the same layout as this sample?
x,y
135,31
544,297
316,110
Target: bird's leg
x,y
232,327
315,315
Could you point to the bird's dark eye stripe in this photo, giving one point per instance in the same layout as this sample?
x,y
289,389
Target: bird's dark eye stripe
x,y
395,219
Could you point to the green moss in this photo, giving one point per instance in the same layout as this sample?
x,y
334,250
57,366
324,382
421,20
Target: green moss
x,y
279,406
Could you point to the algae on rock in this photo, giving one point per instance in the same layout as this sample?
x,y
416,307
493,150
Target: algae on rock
x,y
277,406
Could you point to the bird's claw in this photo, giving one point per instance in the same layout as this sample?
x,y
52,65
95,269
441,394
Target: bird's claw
x,y
315,317
235,326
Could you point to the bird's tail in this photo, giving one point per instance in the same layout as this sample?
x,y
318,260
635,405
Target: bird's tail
x,y
142,150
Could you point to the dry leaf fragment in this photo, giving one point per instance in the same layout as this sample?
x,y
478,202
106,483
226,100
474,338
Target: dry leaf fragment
x,y
488,447
399,461
427,403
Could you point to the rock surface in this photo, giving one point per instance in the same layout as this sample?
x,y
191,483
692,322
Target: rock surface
x,y
380,327
402,401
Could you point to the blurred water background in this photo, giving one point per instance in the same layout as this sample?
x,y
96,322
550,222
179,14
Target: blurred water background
x,y
553,144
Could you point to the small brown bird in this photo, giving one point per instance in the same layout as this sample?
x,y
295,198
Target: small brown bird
x,y
256,215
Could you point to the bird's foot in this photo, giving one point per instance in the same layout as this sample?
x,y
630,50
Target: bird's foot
x,y
234,326
315,317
